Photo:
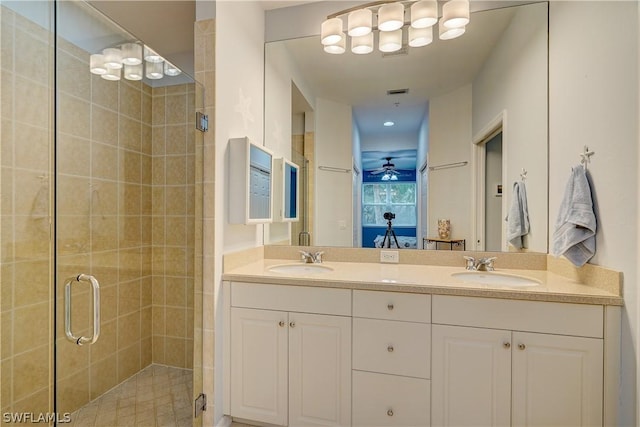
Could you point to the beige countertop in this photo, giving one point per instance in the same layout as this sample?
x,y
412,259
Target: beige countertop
x,y
424,279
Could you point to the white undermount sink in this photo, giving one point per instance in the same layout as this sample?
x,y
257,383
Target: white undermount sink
x,y
300,269
496,279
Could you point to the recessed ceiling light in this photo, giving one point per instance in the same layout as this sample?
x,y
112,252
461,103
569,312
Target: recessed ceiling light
x,y
388,124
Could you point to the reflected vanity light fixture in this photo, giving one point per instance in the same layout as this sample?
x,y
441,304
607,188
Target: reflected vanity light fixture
x,y
396,21
388,176
133,61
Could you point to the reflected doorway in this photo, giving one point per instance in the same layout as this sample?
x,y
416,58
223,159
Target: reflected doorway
x,y
493,193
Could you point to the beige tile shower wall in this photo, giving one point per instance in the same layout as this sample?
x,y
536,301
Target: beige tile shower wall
x,y
173,224
104,225
25,282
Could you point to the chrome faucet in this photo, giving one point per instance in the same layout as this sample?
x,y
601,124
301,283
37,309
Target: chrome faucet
x,y
480,264
309,257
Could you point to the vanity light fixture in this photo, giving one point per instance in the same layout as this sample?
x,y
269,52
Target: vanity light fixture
x,y
127,60
394,19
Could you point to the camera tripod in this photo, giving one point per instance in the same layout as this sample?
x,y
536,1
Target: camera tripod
x,y
388,234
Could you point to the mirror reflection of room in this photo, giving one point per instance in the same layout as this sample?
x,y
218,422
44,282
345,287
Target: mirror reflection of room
x,y
428,135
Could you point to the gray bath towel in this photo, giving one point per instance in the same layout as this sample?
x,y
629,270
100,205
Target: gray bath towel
x,y
518,216
575,232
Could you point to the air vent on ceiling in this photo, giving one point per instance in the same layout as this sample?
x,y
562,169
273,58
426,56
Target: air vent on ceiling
x,y
397,91
400,52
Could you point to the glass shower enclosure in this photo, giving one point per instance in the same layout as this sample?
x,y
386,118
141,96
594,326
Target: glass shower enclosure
x,y
98,222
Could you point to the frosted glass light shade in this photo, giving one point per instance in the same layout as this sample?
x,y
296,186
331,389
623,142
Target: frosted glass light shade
x,y
391,17
96,64
112,57
359,22
170,69
331,31
112,74
337,48
133,72
455,13
363,44
450,33
151,56
419,37
154,70
390,41
131,54
424,13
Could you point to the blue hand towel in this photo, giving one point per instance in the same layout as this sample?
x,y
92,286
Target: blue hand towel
x,y
575,232
518,216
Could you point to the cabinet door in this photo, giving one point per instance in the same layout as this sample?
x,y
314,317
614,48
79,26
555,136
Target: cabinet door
x,y
557,380
259,365
319,370
471,376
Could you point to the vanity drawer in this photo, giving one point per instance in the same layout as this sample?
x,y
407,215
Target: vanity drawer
x,y
388,400
392,306
390,347
530,316
306,299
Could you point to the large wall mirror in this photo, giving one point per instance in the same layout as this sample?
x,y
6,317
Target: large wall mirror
x,y
431,133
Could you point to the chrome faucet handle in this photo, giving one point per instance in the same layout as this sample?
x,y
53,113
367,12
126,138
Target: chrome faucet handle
x,y
471,263
487,263
307,257
317,257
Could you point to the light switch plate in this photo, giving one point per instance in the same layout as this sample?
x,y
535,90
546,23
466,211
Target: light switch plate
x,y
389,256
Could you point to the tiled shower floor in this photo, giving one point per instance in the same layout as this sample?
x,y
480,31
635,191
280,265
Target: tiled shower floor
x,y
157,396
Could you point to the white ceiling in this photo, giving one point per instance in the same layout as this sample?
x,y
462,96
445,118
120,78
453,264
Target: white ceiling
x,y
363,80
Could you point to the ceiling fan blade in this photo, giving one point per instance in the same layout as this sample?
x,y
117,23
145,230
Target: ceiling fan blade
x,y
377,171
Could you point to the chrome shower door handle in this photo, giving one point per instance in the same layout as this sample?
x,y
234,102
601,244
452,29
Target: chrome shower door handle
x,y
95,292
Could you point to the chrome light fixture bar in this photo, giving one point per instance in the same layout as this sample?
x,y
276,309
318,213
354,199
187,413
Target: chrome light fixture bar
x,y
131,60
390,24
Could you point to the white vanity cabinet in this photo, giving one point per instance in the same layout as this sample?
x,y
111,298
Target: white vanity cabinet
x,y
391,359
518,363
322,356
290,363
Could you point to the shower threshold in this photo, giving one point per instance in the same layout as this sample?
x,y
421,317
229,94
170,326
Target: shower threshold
x,y
157,396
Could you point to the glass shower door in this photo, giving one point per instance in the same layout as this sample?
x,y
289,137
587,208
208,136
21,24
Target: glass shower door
x,y
125,229
26,70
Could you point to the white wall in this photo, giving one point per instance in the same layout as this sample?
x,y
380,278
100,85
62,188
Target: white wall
x,y
422,184
239,102
279,72
333,211
450,142
514,79
593,78
239,112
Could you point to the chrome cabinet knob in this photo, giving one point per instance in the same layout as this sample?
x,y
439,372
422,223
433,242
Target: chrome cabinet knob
x,y
390,412
292,324
390,349
389,307
521,346
507,345
281,324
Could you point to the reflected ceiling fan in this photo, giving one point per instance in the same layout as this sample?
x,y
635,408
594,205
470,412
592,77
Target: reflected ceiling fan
x,y
388,169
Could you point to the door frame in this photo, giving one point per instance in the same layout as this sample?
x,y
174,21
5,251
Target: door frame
x,y
492,128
